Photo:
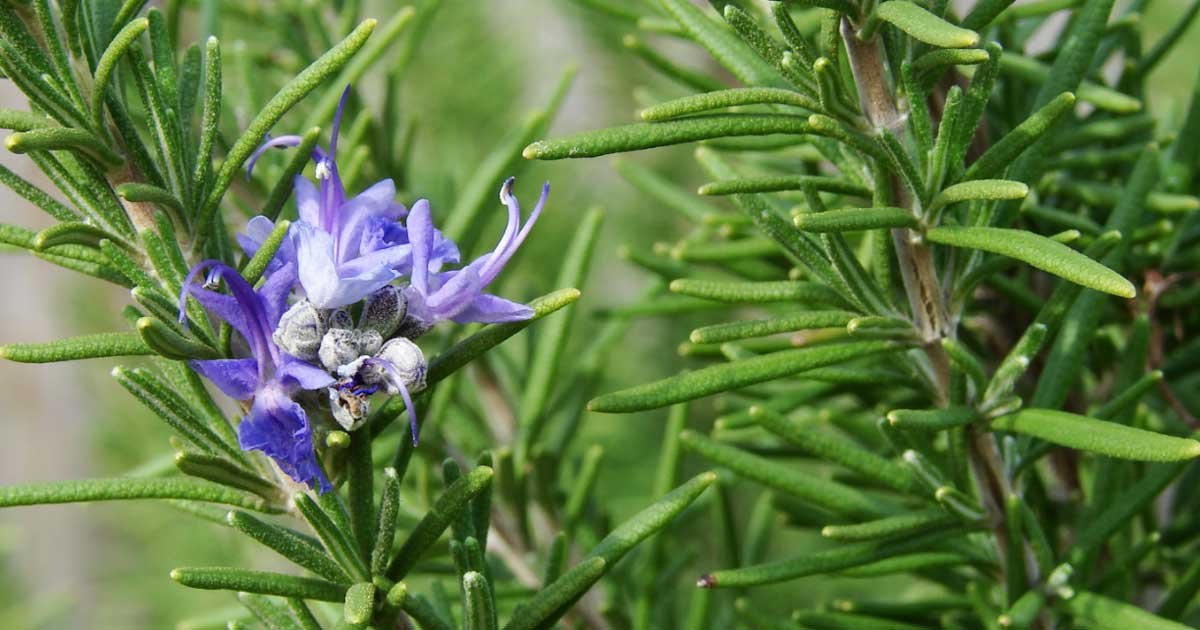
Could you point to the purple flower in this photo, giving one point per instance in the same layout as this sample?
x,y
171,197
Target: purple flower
x,y
458,295
344,248
276,425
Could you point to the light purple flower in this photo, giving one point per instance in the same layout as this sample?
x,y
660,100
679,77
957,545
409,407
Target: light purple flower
x,y
458,295
276,424
344,248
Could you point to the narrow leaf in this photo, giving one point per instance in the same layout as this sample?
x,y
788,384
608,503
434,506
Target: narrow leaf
x,y
890,527
724,45
925,26
991,189
932,419
727,98
1102,613
75,348
290,545
263,582
1000,155
1039,251
830,495
1097,436
724,377
453,501
855,220
837,450
733,331
479,611
756,292
124,489
360,604
640,136
822,562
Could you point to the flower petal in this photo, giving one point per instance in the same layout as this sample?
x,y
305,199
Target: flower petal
x,y
491,309
236,378
354,215
420,234
278,427
314,259
302,374
308,201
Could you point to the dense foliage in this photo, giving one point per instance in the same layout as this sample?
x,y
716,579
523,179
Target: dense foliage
x,y
948,312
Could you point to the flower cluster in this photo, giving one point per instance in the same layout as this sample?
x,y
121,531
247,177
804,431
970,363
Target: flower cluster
x,y
365,254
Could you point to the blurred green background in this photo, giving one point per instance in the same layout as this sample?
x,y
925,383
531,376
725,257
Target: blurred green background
x,y
482,68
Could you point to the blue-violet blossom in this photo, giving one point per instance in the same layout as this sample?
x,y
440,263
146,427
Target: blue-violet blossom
x,y
344,249
458,294
276,424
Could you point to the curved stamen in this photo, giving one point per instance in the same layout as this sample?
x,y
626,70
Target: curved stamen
x,y
271,143
408,402
499,258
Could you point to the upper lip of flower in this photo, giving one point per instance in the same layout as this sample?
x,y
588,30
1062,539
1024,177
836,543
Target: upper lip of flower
x,y
252,321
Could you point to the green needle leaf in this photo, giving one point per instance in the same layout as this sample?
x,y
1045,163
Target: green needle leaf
x,y
837,450
453,501
1000,155
360,604
290,545
224,472
727,98
733,331
1102,613
830,495
925,26
73,233
855,220
116,344
640,136
108,63
146,193
273,616
479,611
385,534
334,534
724,46
784,182
990,189
62,139
124,489
735,375
165,341
262,582
552,602
932,419
1097,436
1039,251
756,292
890,527
822,562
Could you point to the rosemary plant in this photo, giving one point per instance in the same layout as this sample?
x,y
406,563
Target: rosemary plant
x,y
949,306
937,239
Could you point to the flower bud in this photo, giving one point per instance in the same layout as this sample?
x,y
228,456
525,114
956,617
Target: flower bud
x,y
300,331
339,347
408,362
384,310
